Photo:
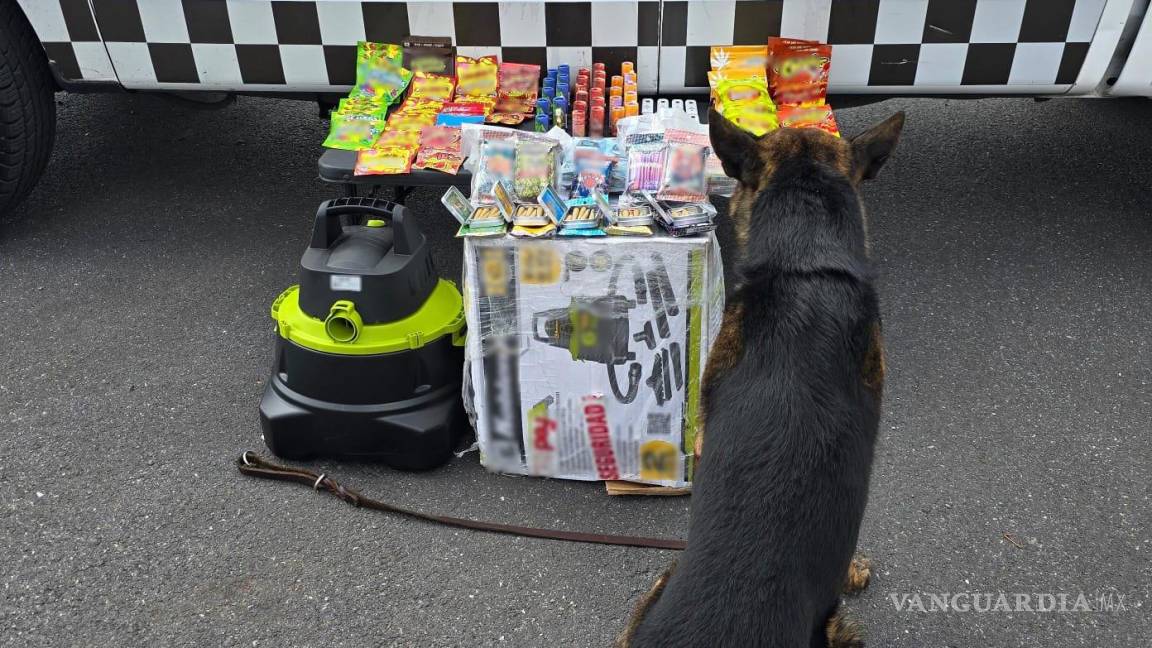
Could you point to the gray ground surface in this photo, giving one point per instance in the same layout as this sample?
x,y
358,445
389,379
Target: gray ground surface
x,y
1014,240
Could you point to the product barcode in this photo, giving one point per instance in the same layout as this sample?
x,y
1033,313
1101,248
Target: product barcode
x,y
659,423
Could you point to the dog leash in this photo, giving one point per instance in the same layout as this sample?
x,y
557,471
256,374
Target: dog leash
x,y
254,465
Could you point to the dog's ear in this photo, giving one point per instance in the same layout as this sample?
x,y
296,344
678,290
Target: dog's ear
x,y
870,149
736,149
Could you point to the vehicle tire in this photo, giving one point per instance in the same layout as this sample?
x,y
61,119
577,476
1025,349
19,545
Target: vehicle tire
x,y
27,107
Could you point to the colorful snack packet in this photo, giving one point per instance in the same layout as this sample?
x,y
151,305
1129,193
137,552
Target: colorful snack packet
x,y
517,89
358,104
449,119
476,77
432,87
440,138
402,138
496,162
439,161
353,132
820,117
684,178
462,108
378,71
505,119
733,58
390,51
385,161
798,71
535,168
754,118
744,101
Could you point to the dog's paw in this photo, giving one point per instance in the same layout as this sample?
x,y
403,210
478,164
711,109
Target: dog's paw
x,y
843,633
859,575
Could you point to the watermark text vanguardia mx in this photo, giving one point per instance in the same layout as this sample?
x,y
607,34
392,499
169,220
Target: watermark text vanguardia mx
x,y
1107,601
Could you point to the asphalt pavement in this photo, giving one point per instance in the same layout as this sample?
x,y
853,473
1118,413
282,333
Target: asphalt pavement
x,y
1014,240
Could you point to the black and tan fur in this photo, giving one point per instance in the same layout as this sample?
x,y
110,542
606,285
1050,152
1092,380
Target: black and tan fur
x,y
792,397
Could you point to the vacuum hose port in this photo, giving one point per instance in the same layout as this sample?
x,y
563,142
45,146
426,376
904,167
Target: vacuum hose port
x,y
343,323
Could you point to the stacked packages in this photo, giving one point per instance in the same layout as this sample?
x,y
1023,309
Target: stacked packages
x,y
445,92
543,184
782,84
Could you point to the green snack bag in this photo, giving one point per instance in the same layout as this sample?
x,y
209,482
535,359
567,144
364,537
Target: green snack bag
x,y
353,132
379,71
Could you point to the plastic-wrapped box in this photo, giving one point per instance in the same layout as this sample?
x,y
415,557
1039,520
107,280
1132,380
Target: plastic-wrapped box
x,y
585,356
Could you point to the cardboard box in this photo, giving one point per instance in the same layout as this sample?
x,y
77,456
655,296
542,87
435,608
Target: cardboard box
x,y
585,356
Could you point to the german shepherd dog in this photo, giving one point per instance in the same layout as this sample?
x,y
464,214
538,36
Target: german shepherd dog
x,y
791,401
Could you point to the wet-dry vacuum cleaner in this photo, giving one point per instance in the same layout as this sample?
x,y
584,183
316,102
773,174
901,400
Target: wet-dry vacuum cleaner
x,y
369,356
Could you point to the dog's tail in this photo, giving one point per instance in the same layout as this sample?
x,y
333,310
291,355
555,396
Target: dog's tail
x,y
841,632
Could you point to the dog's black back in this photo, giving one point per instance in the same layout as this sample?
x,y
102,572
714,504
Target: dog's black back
x,y
790,427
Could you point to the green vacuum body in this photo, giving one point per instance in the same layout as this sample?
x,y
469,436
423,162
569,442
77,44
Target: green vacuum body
x,y
369,351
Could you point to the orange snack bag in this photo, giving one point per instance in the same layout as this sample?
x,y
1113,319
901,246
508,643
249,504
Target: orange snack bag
x,y
433,87
808,117
798,71
476,77
730,58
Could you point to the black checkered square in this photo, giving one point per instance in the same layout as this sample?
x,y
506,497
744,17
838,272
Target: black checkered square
x,y
387,22
697,62
477,24
63,57
648,23
853,21
119,20
949,21
988,63
756,20
1071,62
894,65
260,64
340,62
78,19
208,21
568,24
297,23
1046,21
173,62
674,24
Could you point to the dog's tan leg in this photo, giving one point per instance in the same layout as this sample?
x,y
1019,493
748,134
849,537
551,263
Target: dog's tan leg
x,y
843,633
725,353
859,574
642,607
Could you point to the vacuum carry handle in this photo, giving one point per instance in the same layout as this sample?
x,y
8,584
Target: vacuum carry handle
x,y
327,228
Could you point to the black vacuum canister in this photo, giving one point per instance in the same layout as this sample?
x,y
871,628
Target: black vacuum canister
x,y
369,356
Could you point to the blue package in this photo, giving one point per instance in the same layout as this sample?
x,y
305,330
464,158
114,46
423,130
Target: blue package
x,y
456,120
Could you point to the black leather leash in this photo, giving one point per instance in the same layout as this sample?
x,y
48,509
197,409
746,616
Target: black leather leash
x,y
254,465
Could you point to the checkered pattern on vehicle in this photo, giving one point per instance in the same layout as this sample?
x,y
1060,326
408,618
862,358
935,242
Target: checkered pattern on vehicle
x,y
899,45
